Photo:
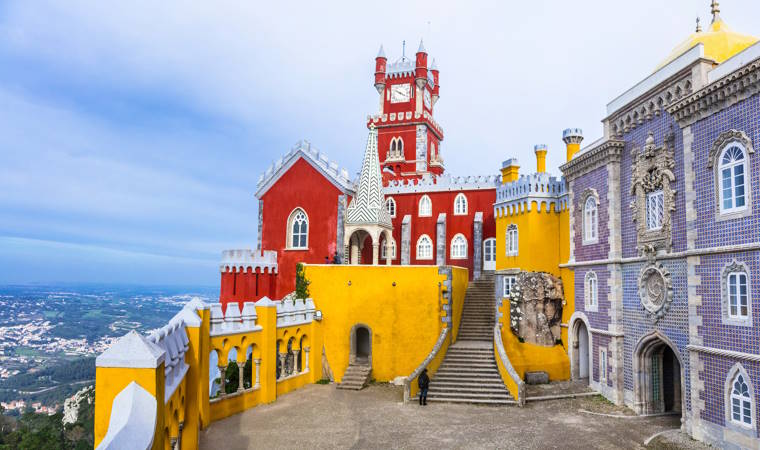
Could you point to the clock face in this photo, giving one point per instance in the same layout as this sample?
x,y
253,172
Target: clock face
x,y
427,99
400,93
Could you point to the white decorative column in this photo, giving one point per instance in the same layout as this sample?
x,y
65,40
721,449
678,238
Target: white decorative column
x,y
282,364
241,368
375,253
223,375
257,361
306,359
296,355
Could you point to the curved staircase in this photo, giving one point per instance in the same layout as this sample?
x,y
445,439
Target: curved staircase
x,y
468,373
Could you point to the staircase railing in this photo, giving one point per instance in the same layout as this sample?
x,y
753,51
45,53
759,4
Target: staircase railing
x,y
509,375
432,362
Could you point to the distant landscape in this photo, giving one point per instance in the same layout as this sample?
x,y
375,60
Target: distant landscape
x,y
51,334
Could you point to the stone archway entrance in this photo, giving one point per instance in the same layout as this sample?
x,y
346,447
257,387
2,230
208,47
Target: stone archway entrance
x,y
361,345
658,376
581,353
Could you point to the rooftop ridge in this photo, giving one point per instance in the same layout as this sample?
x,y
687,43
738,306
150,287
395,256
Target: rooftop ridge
x,y
446,182
319,159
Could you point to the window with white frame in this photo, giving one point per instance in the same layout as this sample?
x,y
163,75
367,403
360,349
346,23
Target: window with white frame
x,y
298,230
396,150
732,172
388,247
390,205
655,210
425,207
738,298
602,364
509,283
460,205
735,294
512,240
741,401
424,247
590,220
459,247
591,293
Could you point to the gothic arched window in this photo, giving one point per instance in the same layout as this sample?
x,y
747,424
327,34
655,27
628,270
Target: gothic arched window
x,y
732,173
741,405
298,230
460,205
512,240
425,207
424,247
591,288
390,205
459,247
590,220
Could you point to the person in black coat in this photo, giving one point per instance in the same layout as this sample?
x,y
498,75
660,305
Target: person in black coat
x,y
423,381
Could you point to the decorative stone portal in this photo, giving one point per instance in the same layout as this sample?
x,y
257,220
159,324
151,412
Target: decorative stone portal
x,y
536,308
361,345
658,378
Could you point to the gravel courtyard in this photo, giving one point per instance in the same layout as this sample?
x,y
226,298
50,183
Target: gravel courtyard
x,y
319,416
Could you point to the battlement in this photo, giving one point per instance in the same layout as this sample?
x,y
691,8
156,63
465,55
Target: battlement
x,y
433,183
233,320
243,259
339,176
378,119
404,67
296,311
544,189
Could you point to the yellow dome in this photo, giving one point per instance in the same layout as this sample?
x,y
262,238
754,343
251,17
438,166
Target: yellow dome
x,y
719,40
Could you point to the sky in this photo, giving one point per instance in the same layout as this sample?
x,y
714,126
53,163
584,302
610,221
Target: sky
x,y
132,134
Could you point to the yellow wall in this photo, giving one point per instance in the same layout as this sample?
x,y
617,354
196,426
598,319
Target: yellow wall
x,y
405,319
538,241
527,357
459,283
109,381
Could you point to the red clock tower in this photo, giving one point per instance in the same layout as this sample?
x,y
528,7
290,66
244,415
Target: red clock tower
x,y
409,139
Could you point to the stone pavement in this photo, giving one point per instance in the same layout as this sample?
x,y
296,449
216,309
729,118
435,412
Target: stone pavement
x,y
320,416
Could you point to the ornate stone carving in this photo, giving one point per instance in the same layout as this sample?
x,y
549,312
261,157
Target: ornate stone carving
x,y
590,159
590,192
536,308
725,138
652,172
655,290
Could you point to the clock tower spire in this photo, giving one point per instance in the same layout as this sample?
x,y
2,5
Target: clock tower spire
x,y
409,139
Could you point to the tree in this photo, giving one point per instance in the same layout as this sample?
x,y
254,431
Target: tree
x,y
302,284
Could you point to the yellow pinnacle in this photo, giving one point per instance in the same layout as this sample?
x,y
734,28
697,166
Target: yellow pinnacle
x,y
715,9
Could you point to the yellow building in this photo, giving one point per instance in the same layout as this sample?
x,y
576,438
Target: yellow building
x,y
533,235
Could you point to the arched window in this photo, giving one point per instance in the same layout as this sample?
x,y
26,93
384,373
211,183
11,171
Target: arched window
x,y
732,171
460,205
425,207
590,220
591,291
459,247
512,240
424,247
388,247
298,230
735,293
741,403
399,147
390,205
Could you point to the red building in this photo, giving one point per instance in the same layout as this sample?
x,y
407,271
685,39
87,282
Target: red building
x,y
437,219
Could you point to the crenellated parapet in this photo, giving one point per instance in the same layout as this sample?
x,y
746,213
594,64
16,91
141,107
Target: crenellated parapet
x,y
442,183
233,320
548,192
423,117
296,311
241,260
303,149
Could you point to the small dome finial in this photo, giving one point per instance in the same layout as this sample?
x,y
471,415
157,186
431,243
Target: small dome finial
x,y
715,9
699,26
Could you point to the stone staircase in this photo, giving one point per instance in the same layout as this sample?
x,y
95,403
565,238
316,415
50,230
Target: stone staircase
x,y
356,377
478,313
468,373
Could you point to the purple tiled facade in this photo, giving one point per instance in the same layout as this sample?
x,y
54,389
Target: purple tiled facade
x,y
680,351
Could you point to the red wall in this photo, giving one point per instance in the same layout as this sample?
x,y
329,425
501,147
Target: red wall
x,y
246,286
305,187
443,202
